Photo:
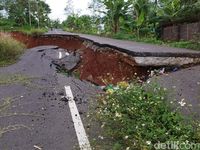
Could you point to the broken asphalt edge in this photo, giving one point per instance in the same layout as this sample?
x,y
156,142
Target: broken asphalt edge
x,y
129,52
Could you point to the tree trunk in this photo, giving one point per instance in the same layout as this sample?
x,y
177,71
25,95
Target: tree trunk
x,y
29,12
116,26
138,32
155,15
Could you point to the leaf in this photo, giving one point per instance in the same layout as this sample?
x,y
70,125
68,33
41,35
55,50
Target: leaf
x,y
140,19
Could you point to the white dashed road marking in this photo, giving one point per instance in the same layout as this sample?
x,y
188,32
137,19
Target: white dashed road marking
x,y
67,54
60,55
83,141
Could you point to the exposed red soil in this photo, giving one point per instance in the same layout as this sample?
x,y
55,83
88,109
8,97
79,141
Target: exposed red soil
x,y
61,41
105,67
100,67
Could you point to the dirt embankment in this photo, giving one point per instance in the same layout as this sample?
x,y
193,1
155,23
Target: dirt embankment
x,y
98,65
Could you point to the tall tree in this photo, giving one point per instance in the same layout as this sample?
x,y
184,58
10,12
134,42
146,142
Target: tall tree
x,y
82,23
69,9
40,12
169,9
1,8
27,11
17,14
113,10
1,5
141,8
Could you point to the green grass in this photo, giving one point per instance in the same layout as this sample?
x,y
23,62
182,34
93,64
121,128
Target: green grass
x,y
25,29
186,44
134,118
7,79
194,45
33,31
10,50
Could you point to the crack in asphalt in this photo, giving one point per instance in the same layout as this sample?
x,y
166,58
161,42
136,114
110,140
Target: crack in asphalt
x,y
55,128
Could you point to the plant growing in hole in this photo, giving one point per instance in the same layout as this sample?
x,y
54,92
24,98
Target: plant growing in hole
x,y
77,74
63,71
106,79
139,116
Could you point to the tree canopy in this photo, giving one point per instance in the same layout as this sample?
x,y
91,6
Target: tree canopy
x,y
27,12
135,17
143,17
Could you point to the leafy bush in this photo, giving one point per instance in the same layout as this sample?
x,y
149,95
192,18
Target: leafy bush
x,y
25,29
195,45
124,36
186,44
10,49
33,31
134,118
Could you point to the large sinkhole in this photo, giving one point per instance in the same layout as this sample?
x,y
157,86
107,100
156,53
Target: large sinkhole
x,y
98,64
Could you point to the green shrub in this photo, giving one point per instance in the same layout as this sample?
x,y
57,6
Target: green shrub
x,y
124,36
10,49
33,31
136,119
186,44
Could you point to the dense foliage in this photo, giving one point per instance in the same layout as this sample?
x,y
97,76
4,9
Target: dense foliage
x,y
135,118
10,49
80,24
142,18
139,17
27,13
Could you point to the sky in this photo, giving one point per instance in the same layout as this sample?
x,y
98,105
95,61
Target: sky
x,y
58,6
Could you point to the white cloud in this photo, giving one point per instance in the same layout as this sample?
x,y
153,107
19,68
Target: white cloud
x,y
58,6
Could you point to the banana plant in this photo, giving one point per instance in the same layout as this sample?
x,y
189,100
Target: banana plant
x,y
113,10
141,10
169,8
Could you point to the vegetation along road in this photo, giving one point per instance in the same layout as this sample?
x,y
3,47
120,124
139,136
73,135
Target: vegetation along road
x,y
123,75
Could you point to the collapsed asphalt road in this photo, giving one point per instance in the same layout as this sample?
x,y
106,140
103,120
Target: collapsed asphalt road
x,y
36,106
124,60
37,110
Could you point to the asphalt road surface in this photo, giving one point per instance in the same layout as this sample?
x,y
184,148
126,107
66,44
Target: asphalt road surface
x,y
134,48
34,113
37,109
183,90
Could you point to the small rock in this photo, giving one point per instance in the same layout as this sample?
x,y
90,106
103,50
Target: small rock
x,y
44,94
61,93
64,99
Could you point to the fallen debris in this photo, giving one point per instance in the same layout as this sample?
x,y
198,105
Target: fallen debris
x,y
64,99
43,48
104,64
69,62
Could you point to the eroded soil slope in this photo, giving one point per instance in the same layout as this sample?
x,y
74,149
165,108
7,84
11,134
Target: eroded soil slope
x,y
98,65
